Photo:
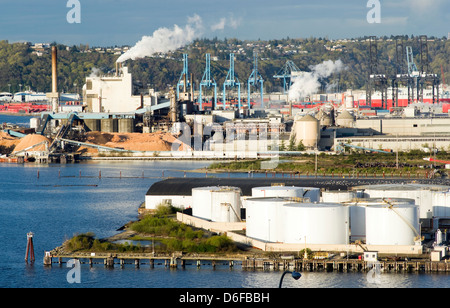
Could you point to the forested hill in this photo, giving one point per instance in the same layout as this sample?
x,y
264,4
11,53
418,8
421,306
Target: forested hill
x,y
25,64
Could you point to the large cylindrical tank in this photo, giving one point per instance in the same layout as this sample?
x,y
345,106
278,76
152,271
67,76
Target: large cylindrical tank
x,y
422,194
311,193
35,123
217,203
345,119
316,223
338,196
441,204
277,191
264,219
306,130
393,223
357,209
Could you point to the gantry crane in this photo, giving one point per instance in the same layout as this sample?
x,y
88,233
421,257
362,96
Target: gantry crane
x,y
254,79
231,81
287,73
207,81
376,80
183,82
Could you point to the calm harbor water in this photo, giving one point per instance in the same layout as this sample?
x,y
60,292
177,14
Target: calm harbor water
x,y
59,203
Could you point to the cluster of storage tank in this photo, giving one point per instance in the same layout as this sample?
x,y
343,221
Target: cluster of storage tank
x,y
287,216
376,215
432,200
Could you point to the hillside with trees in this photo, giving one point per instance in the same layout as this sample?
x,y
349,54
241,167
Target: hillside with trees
x,y
22,67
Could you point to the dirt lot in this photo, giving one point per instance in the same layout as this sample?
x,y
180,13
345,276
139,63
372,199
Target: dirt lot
x,y
158,141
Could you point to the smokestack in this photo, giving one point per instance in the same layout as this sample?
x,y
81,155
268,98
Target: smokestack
x,y
54,94
173,106
54,70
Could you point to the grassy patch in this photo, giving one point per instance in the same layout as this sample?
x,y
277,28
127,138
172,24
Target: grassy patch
x,y
169,235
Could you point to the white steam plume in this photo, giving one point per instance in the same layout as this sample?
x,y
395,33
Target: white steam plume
x,y
307,83
164,40
223,22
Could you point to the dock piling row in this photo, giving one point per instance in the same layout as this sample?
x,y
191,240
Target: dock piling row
x,y
300,265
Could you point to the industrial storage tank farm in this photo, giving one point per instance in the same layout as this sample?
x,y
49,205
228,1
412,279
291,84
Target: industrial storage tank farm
x,y
421,193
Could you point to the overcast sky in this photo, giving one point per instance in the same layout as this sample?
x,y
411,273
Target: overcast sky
x,y
125,22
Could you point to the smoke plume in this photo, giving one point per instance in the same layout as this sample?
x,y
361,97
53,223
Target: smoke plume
x,y
307,83
164,40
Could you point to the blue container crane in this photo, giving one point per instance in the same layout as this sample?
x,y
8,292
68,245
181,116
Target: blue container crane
x,y
231,81
286,74
207,81
183,82
254,79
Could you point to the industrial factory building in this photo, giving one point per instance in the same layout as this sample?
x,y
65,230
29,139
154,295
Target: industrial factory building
x,y
265,123
114,94
276,217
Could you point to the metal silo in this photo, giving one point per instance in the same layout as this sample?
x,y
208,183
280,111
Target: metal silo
x,y
264,218
392,222
307,131
216,203
338,196
421,193
316,223
277,191
441,204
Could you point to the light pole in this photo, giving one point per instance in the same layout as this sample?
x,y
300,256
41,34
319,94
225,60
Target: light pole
x,y
295,275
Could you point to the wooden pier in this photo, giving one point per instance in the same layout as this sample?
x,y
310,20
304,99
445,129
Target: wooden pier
x,y
344,265
178,261
173,261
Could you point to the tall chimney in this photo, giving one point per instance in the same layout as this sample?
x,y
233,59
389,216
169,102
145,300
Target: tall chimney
x,y
55,96
54,70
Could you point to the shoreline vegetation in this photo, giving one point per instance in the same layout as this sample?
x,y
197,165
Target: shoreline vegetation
x,y
405,163
161,229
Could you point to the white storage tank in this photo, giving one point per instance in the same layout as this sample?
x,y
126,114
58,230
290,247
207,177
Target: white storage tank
x,y
311,193
357,214
441,204
217,203
306,130
392,223
264,219
422,194
277,191
357,209
338,196
35,123
316,223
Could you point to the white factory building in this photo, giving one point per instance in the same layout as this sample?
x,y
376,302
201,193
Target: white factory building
x,y
113,94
